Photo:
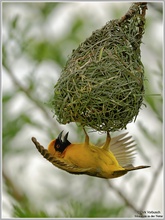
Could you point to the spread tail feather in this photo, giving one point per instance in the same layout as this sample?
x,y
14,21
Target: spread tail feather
x,y
119,173
131,168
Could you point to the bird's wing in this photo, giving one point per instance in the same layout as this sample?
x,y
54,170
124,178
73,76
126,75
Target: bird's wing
x,y
123,149
58,162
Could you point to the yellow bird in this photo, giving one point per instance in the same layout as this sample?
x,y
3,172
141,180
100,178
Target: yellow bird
x,y
113,159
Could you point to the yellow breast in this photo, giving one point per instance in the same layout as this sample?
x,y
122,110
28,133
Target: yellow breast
x,y
98,160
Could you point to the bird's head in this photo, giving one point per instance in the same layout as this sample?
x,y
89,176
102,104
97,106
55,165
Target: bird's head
x,y
59,145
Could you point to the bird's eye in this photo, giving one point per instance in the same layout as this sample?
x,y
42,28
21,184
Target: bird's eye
x,y
57,146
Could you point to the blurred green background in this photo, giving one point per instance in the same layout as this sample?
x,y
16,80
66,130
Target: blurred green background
x,y
37,38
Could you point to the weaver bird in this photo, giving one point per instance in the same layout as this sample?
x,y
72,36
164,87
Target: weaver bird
x,y
113,159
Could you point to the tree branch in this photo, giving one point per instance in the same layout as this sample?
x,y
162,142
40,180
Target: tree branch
x,y
35,101
152,185
121,194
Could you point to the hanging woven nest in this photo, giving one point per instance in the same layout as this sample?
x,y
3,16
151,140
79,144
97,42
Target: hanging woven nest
x,y
101,85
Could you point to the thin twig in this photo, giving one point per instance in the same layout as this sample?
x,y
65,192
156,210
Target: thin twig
x,y
12,188
132,10
152,184
31,97
121,194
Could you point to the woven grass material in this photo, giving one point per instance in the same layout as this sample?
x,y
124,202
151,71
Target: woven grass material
x,y
101,85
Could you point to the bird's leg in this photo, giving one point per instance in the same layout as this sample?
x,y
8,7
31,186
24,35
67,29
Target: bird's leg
x,y
86,137
107,142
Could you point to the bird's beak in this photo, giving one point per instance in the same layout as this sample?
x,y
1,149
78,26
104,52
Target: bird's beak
x,y
60,144
60,136
65,137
